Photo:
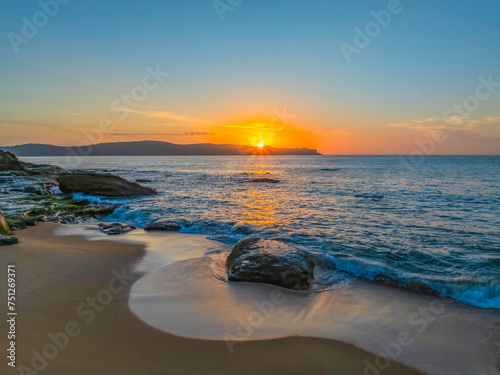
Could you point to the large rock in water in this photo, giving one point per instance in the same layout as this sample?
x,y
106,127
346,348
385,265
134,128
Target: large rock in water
x,y
271,262
101,184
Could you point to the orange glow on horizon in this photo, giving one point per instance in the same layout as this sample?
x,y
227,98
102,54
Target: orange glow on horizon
x,y
263,133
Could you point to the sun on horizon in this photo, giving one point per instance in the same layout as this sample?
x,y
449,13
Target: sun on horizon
x,y
260,144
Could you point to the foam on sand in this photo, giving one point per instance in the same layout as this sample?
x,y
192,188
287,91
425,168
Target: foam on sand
x,y
435,335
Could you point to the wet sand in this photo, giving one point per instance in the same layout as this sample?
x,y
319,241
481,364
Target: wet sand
x,y
56,275
435,335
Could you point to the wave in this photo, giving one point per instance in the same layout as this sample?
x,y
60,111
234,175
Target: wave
x,y
333,270
483,292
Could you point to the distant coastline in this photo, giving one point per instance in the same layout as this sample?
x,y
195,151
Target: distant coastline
x,y
152,148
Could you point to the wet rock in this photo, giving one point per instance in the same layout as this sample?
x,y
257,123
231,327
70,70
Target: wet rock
x,y
34,190
143,180
80,202
6,240
95,211
271,262
115,228
243,228
369,196
44,170
99,184
4,227
415,286
265,179
9,162
30,222
163,224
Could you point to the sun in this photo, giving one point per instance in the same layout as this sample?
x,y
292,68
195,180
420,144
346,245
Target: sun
x,y
260,144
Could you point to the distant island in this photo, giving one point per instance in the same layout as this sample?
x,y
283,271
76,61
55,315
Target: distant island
x,y
151,148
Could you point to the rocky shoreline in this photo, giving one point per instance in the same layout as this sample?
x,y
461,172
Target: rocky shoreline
x,y
32,193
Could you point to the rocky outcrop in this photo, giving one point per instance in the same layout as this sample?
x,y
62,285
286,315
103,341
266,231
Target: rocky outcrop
x,y
163,224
101,184
36,194
44,170
9,162
271,262
4,227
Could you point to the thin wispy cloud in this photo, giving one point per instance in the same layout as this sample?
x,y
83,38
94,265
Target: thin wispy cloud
x,y
446,123
165,115
162,134
68,114
19,122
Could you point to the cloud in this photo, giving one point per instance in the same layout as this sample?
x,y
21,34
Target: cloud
x,y
162,134
68,114
35,124
446,123
165,115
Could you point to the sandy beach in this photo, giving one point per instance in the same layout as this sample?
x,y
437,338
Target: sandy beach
x,y
56,275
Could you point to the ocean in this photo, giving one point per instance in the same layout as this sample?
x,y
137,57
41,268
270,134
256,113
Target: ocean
x,y
424,223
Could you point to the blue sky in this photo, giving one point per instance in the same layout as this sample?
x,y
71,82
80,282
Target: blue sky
x,y
264,55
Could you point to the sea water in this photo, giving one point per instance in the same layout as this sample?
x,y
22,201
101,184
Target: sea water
x,y
424,223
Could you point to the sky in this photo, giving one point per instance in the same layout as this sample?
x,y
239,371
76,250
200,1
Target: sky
x,y
344,77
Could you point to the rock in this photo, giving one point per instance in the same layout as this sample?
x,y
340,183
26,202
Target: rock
x,y
95,211
34,190
99,184
369,196
163,224
270,262
243,228
115,228
44,170
6,240
80,202
143,180
9,162
19,173
264,179
30,222
38,211
4,227
415,286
